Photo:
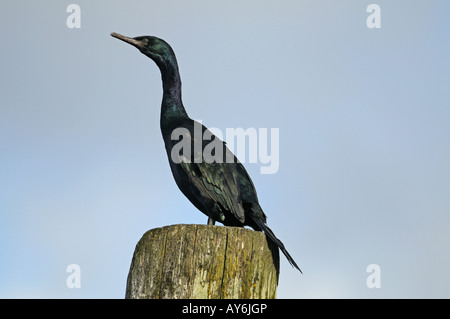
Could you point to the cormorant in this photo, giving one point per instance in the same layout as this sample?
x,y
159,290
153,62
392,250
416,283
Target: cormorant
x,y
222,189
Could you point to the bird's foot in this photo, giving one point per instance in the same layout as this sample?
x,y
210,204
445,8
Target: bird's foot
x,y
211,221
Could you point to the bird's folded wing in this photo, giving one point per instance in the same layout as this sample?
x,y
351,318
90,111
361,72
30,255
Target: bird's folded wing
x,y
217,181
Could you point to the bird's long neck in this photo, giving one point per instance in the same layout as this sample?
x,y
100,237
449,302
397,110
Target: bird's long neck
x,y
172,109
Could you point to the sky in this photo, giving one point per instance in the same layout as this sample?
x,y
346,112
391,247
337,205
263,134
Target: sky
x,y
362,114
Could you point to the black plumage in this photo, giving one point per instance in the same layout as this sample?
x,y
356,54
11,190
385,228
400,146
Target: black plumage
x,y
221,189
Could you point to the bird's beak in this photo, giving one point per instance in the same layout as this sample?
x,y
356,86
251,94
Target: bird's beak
x,y
138,44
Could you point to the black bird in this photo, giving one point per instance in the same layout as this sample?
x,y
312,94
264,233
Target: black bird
x,y
221,189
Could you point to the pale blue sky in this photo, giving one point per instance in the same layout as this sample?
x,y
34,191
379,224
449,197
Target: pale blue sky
x,y
363,116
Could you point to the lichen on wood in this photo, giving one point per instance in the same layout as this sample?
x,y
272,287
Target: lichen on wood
x,y
203,261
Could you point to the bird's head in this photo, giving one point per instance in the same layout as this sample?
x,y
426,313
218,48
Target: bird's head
x,y
155,48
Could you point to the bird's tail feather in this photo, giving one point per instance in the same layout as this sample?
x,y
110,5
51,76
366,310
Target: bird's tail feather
x,y
277,242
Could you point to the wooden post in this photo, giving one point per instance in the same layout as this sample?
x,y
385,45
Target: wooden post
x,y
201,261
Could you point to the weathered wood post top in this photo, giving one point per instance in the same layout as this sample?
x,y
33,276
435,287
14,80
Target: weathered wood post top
x,y
203,261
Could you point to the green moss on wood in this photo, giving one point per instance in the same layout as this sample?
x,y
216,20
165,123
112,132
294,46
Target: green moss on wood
x,y
202,261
